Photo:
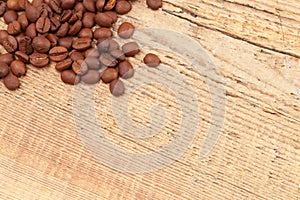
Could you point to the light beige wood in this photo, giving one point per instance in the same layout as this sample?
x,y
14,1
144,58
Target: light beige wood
x,y
255,46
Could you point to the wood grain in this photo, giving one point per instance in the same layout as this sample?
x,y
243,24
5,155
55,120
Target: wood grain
x,y
255,46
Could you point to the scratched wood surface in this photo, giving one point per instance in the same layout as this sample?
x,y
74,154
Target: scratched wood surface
x,y
256,47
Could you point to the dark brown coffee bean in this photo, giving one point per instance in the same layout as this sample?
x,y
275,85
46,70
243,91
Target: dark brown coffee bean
x,y
63,65
17,5
66,15
10,44
58,53
25,45
45,10
39,60
2,8
18,68
126,70
31,31
3,69
113,45
11,82
88,20
101,33
107,60
89,5
76,16
118,54
66,42
10,16
154,4
22,56
110,4
32,13
67,4
93,62
103,20
41,44
103,45
55,5
152,60
130,49
117,88
112,15
22,19
63,30
69,77
86,32
76,55
109,75
100,5
54,23
126,30
91,77
93,52
75,28
123,7
80,67
6,58
37,3
79,6
3,35
14,28
53,39
43,25
82,44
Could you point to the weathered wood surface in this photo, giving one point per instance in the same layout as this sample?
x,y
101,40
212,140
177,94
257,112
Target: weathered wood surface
x,y
256,47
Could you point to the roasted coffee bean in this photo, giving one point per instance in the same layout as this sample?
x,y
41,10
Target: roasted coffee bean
x,y
126,30
10,16
117,88
154,4
31,31
101,33
3,35
151,60
76,16
86,32
63,65
69,77
55,5
43,25
14,28
66,42
118,54
130,49
82,44
2,8
112,15
113,45
89,5
39,60
18,68
123,7
107,60
22,19
63,30
54,23
6,58
36,3
103,45
32,13
100,5
91,77
41,44
93,62
110,4
76,55
25,44
58,53
66,15
3,69
80,67
79,6
22,56
10,44
103,20
109,75
19,37
88,20
53,39
45,10
17,5
126,70
67,4
11,82
75,28
93,52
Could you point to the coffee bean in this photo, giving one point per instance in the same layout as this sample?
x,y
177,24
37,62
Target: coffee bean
x,y
88,20
100,5
126,70
25,44
66,15
82,44
123,7
66,42
22,56
43,25
31,31
92,52
76,16
85,32
152,60
39,60
131,49
79,6
75,55
53,39
41,44
110,4
126,30
118,54
45,10
89,5
93,62
109,75
10,44
75,28
154,4
103,45
63,30
37,3
6,58
117,88
3,69
3,35
54,23
55,5
58,53
14,28
22,19
107,60
17,5
63,65
11,82
102,33
103,20
69,77
91,77
32,13
67,4
10,16
113,45
2,8
80,67
18,68
112,15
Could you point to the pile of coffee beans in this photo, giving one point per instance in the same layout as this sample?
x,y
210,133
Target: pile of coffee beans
x,y
75,34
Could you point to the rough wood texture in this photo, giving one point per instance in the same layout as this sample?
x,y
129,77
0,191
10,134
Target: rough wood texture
x,y
256,46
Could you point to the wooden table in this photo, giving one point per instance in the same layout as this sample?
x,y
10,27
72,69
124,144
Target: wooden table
x,y
256,47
